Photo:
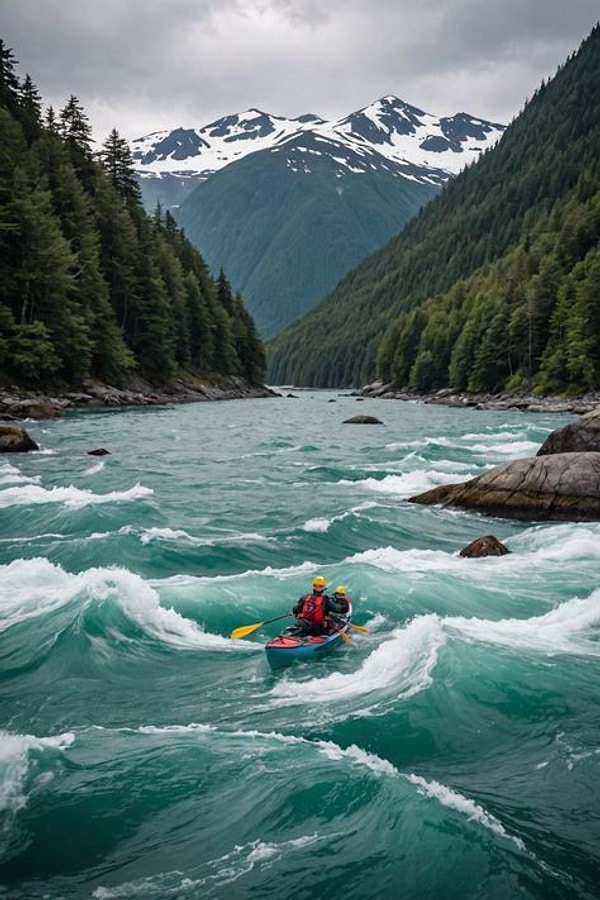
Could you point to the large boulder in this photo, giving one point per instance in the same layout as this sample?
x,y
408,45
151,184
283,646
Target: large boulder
x,y
488,545
583,435
14,439
562,486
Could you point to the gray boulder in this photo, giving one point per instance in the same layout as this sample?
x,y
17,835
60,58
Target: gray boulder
x,y
561,486
14,439
583,435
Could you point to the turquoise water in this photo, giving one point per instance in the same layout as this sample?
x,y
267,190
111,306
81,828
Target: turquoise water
x,y
453,752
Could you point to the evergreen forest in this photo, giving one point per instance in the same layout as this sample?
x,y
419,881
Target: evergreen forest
x,y
495,284
91,286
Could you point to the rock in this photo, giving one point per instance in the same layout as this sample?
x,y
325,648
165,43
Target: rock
x,y
581,435
362,420
488,545
99,452
561,486
35,407
14,439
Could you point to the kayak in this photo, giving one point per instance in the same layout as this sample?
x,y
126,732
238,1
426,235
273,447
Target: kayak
x,y
288,647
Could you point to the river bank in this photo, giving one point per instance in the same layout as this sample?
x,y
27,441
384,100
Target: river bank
x,y
520,400
20,403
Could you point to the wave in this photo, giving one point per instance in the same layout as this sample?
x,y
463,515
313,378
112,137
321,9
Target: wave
x,y
11,475
180,536
71,497
404,662
33,589
570,628
15,753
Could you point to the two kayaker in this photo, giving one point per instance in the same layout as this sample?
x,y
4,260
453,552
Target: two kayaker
x,y
315,612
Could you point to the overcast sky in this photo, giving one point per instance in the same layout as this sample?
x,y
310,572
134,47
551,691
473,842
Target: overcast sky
x,y
146,65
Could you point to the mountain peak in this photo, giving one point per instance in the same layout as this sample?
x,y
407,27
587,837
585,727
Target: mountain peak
x,y
402,134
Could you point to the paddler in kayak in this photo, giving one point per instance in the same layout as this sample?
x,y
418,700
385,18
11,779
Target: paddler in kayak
x,y
313,611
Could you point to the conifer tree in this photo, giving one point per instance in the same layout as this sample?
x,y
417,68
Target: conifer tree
x,y
117,159
30,104
9,83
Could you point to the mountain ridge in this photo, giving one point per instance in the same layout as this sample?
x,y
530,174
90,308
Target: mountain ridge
x,y
400,132
288,206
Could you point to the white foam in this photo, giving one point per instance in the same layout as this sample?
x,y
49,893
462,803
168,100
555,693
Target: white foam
x,y
565,629
170,535
14,764
463,805
11,475
404,662
32,588
71,497
317,525
411,483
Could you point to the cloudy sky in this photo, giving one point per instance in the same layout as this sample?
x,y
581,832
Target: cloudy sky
x,y
146,65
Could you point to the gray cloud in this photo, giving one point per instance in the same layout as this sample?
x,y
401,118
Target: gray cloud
x,y
144,66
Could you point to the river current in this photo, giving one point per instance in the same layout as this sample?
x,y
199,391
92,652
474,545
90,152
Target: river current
x,y
451,752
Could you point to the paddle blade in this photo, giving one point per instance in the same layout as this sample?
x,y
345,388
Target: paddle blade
x,y
245,630
345,637
360,628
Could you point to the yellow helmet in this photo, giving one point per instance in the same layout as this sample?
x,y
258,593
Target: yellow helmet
x,y
340,589
319,582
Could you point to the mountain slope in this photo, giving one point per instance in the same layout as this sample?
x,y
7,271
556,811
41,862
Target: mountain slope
x,y
287,223
287,206
477,217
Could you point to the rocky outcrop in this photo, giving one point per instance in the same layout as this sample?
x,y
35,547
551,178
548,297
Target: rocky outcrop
x,y
22,404
14,439
488,545
363,420
514,400
581,436
561,486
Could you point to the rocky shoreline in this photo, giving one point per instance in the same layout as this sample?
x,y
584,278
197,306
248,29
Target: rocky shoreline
x,y
17,403
519,400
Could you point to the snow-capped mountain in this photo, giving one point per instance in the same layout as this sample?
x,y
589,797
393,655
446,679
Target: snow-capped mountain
x,y
421,146
287,206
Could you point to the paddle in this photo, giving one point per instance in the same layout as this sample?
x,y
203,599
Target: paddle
x,y
248,629
360,628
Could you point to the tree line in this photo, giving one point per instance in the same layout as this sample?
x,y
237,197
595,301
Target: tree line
x,y
90,284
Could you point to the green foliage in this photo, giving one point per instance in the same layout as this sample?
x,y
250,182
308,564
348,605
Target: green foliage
x,y
90,286
498,253
30,354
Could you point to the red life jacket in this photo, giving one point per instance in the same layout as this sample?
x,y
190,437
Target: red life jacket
x,y
313,608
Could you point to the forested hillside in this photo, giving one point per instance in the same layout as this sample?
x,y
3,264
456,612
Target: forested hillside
x,y
285,235
90,285
495,282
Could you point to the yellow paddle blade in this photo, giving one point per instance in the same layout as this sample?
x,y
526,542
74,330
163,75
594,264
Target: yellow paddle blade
x,y
360,628
344,636
244,630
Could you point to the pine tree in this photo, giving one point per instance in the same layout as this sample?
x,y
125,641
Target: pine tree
x,y
30,104
117,159
9,83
